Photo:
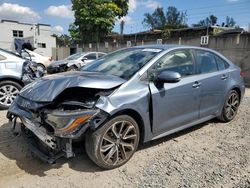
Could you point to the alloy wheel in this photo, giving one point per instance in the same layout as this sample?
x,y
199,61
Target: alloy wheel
x,y
8,94
232,105
118,143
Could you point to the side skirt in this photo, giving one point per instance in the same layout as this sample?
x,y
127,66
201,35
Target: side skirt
x,y
184,127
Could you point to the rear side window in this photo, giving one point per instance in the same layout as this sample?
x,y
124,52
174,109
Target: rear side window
x,y
2,58
206,61
91,56
100,55
222,64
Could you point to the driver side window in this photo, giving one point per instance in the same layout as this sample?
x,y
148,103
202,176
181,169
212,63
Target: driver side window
x,y
180,61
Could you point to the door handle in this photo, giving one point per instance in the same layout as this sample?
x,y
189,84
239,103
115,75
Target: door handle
x,y
196,84
224,77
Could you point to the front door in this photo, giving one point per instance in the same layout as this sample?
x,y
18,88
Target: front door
x,y
175,104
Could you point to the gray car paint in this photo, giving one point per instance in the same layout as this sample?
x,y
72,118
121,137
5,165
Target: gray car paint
x,y
135,95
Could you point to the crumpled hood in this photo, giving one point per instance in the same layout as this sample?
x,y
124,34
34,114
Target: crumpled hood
x,y
46,89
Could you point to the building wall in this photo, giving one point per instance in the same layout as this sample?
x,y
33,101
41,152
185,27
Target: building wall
x,y
36,34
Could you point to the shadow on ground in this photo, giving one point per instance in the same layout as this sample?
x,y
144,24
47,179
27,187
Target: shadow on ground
x,y
15,148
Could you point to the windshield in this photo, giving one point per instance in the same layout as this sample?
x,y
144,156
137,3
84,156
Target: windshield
x,y
123,63
75,56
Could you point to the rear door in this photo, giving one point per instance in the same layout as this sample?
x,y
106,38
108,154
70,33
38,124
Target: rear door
x,y
213,79
175,104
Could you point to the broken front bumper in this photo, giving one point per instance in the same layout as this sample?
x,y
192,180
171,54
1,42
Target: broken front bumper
x,y
44,141
42,144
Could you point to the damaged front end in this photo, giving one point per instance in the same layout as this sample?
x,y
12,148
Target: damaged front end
x,y
51,128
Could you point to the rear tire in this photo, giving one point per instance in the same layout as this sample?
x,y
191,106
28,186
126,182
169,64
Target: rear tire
x,y
41,67
230,107
114,143
8,92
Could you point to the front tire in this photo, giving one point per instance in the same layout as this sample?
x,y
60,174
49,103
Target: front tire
x,y
114,143
8,92
230,107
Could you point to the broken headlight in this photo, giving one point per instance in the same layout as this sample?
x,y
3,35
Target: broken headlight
x,y
64,122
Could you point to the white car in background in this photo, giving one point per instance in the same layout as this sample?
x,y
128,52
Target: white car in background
x,y
74,62
42,61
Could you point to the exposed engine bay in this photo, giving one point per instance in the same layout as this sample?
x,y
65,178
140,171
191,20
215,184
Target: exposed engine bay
x,y
50,128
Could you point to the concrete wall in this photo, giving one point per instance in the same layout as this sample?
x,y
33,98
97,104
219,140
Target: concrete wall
x,y
60,53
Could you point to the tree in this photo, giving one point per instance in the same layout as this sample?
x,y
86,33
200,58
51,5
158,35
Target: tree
x,y
95,19
211,20
173,19
230,22
62,40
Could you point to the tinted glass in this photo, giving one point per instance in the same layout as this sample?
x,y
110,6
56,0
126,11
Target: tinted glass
x,y
206,61
100,55
180,61
75,56
91,56
123,63
222,64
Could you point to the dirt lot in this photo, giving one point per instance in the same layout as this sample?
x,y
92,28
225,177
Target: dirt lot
x,y
212,154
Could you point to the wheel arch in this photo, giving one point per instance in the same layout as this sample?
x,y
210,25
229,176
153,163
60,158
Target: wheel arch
x,y
237,89
14,79
137,117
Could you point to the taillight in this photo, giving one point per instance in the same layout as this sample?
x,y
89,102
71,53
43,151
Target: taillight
x,y
242,74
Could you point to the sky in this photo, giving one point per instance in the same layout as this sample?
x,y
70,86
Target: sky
x,y
59,14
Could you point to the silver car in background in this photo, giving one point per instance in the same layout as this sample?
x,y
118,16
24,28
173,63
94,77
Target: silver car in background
x,y
128,97
15,72
73,62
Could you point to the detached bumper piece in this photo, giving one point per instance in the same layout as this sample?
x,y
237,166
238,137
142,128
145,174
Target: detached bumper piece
x,y
62,147
43,145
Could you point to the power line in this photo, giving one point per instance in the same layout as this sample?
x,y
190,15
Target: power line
x,y
218,14
216,6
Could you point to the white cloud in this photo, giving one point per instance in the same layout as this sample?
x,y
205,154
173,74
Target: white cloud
x,y
127,19
232,0
63,11
17,12
58,29
132,5
151,4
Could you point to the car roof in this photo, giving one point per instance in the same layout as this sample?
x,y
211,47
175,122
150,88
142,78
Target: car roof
x,y
170,46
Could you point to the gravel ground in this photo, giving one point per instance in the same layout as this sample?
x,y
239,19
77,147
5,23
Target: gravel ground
x,y
211,154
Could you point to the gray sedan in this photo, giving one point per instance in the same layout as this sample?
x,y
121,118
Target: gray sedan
x,y
128,97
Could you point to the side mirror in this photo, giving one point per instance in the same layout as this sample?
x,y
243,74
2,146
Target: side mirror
x,y
84,58
168,77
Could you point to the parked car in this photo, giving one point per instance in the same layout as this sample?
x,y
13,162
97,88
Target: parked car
x,y
128,97
42,61
74,62
15,72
